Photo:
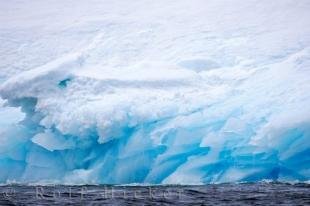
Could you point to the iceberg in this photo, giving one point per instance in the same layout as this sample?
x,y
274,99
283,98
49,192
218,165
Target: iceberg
x,y
182,92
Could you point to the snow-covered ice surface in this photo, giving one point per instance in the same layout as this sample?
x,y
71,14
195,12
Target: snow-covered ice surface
x,y
167,91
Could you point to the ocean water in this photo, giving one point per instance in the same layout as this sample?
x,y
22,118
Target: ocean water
x,y
211,194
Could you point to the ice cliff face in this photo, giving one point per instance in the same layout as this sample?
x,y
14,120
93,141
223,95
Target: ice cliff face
x,y
190,91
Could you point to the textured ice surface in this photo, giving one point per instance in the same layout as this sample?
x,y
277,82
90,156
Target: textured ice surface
x,y
190,91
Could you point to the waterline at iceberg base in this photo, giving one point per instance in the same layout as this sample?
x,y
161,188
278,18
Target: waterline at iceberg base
x,y
110,94
210,194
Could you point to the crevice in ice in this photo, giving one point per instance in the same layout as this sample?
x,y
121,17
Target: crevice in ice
x,y
199,65
64,83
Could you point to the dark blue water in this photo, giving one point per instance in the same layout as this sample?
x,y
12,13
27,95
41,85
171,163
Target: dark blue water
x,y
221,194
